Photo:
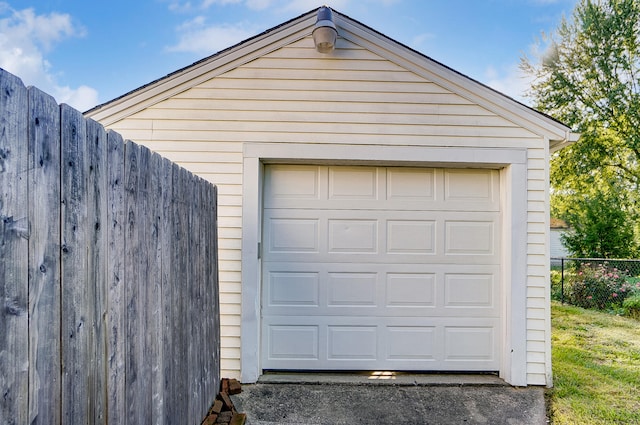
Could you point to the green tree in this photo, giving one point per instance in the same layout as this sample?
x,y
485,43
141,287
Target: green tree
x,y
593,237
589,78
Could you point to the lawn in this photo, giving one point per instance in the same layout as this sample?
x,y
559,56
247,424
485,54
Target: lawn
x,y
596,368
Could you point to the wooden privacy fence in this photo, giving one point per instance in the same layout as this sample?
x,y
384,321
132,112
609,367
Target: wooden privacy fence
x,y
108,274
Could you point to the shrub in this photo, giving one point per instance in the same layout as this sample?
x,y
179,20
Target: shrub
x,y
556,285
598,286
632,306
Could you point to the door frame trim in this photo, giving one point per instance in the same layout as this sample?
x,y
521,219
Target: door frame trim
x,y
513,178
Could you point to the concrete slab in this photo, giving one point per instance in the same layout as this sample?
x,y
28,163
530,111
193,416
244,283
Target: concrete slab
x,y
409,399
382,378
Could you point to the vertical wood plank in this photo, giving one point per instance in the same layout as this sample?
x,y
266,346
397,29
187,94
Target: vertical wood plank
x,y
180,398
195,298
96,143
13,250
142,263
154,288
44,259
116,280
167,285
213,281
134,340
77,288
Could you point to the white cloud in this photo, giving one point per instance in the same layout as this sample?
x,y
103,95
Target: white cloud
x,y
199,37
301,6
510,81
195,36
81,98
207,3
25,38
418,41
258,4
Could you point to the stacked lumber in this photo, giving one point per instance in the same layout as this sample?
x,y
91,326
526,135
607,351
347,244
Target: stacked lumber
x,y
222,410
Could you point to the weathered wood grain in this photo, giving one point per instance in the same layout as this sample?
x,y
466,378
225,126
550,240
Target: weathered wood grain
x,y
77,308
44,259
13,250
134,386
115,350
97,248
143,265
108,274
167,255
180,331
194,297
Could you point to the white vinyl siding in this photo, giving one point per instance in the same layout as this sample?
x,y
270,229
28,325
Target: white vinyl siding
x,y
354,97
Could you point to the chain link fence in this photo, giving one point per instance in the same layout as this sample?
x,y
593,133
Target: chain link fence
x,y
604,284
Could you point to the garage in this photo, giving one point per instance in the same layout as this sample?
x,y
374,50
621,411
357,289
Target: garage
x,y
376,208
381,268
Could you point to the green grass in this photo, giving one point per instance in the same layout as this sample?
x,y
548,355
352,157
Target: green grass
x,y
596,368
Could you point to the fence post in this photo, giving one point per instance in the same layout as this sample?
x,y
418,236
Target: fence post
x,y
562,280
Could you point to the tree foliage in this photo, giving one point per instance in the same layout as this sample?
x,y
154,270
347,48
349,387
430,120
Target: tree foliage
x,y
593,237
589,78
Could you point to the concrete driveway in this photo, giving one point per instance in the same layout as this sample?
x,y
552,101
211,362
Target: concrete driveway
x,y
389,398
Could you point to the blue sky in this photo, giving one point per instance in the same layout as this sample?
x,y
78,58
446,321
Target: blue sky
x,y
88,52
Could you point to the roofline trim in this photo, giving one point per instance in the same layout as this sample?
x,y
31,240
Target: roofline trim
x,y
559,134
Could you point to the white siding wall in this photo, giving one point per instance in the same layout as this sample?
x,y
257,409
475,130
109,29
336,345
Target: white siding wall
x,y
556,247
351,97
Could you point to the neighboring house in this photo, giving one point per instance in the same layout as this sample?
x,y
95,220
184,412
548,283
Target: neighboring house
x,y
556,228
377,209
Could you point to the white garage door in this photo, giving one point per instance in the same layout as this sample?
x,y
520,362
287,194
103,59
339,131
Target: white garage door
x,y
380,268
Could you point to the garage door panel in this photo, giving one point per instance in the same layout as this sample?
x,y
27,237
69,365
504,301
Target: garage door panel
x,y
469,343
408,291
355,236
293,342
475,186
362,236
403,344
411,237
411,343
293,183
384,290
352,342
470,290
465,237
353,183
352,289
292,289
364,188
381,268
288,235
410,184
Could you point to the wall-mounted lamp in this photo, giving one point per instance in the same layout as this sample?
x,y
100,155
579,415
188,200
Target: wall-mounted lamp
x,y
325,33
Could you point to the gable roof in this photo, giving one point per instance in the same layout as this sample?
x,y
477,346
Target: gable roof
x,y
557,133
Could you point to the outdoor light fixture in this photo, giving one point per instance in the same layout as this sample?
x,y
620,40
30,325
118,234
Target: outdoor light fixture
x,y
325,33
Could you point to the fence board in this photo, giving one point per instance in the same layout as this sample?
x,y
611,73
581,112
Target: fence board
x,y
154,288
132,253
213,291
108,268
13,250
213,283
179,262
168,348
116,280
77,310
143,265
97,266
44,259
